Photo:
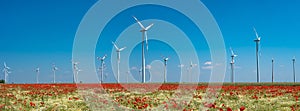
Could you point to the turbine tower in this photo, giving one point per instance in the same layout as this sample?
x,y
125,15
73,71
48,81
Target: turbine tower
x,y
102,66
272,70
181,66
294,72
190,70
257,41
232,64
54,69
6,71
165,68
144,36
127,74
37,70
118,50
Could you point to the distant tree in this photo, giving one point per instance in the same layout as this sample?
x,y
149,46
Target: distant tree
x,y
2,81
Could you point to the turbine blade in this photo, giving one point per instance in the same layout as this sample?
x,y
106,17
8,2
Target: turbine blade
x,y
122,49
232,53
103,57
147,28
4,64
115,45
256,33
141,25
146,40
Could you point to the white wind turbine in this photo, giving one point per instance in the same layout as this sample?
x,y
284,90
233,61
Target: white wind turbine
x,y
37,70
102,66
232,64
76,71
294,72
165,68
127,74
191,66
54,69
118,50
181,66
144,36
6,71
272,70
257,41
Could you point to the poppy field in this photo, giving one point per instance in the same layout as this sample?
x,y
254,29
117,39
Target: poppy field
x,y
187,97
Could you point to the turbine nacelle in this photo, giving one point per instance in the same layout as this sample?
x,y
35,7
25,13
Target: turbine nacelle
x,y
75,63
6,69
5,66
257,36
54,68
37,70
294,59
192,65
166,59
147,28
232,53
102,58
117,48
257,40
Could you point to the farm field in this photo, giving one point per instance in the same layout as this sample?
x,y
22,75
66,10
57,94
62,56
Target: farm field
x,y
187,97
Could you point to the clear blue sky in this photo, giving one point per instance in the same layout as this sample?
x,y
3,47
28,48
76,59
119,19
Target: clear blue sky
x,y
38,33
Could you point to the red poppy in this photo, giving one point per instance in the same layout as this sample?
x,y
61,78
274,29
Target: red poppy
x,y
242,108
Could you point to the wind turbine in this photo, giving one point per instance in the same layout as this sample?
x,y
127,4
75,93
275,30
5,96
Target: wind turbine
x,y
165,68
102,66
54,69
76,71
127,74
294,72
6,71
272,70
232,64
118,50
37,70
191,66
257,40
144,32
181,66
